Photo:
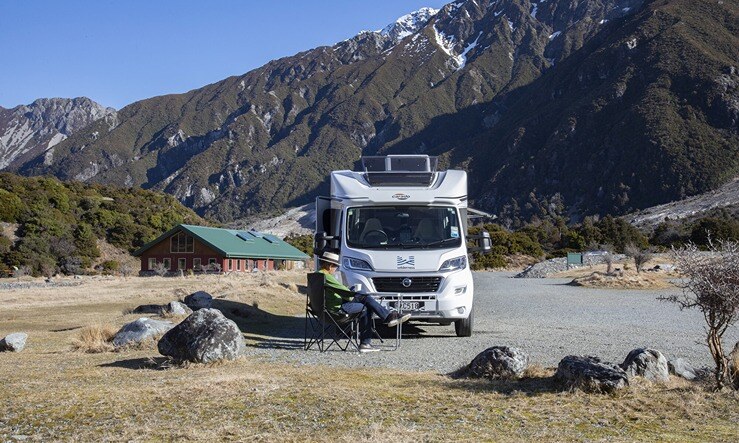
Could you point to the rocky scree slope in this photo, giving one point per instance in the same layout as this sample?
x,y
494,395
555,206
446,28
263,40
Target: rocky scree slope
x,y
32,131
607,104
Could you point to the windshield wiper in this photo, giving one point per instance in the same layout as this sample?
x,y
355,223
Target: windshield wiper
x,y
438,243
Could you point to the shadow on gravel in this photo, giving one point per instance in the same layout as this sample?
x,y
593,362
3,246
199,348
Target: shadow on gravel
x,y
154,363
266,329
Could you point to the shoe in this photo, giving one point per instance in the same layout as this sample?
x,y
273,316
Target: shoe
x,y
366,347
395,319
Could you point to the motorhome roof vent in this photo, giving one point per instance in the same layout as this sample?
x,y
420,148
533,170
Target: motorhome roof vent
x,y
400,170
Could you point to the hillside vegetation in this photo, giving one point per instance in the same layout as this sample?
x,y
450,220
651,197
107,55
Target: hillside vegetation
x,y
604,105
58,224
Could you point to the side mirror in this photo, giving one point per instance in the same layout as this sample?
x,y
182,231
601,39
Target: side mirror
x,y
483,242
320,241
323,242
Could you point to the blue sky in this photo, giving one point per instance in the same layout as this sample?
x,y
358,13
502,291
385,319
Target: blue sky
x,y
117,52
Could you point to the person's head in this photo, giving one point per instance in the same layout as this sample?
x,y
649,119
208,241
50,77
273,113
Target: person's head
x,y
329,261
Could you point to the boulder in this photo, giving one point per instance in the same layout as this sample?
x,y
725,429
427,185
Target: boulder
x,y
734,364
591,374
140,330
647,363
148,309
497,362
681,368
177,308
203,337
14,342
199,300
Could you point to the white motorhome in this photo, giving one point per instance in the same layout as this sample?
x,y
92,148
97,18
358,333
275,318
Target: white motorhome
x,y
400,228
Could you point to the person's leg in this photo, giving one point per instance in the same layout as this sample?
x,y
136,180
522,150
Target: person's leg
x,y
365,331
372,305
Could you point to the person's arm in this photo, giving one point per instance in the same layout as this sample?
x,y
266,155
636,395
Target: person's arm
x,y
345,293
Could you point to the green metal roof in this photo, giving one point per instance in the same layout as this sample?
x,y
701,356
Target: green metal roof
x,y
235,244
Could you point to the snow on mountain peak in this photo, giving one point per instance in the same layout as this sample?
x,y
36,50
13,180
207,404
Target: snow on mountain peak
x,y
408,24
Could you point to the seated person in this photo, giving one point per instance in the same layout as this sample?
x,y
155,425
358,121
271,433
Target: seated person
x,y
337,300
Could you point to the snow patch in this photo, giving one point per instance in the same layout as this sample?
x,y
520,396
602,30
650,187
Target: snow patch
x,y
49,157
407,24
604,21
463,56
631,44
510,25
555,35
534,10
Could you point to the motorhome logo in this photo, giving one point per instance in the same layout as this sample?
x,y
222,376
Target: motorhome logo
x,y
407,263
401,196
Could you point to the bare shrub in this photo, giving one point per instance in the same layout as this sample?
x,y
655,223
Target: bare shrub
x,y
712,286
608,260
95,339
160,269
639,255
126,269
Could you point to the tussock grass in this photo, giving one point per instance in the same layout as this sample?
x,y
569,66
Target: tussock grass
x,y
270,399
95,339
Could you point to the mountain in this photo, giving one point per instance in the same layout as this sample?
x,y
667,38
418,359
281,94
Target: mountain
x,y
600,106
30,131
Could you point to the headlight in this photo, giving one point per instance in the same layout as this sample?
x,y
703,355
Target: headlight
x,y
357,264
454,264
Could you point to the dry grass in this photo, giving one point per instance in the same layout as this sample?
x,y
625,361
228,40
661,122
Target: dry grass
x,y
94,339
51,394
622,280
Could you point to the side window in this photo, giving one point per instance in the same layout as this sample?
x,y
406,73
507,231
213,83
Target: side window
x,y
167,263
196,266
152,263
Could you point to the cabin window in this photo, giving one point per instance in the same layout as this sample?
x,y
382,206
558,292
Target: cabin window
x,y
196,266
152,263
238,265
167,262
182,243
181,264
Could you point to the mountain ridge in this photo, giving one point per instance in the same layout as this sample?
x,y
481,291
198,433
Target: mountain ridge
x,y
268,139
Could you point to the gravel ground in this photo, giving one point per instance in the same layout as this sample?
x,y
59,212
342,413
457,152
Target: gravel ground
x,y
545,317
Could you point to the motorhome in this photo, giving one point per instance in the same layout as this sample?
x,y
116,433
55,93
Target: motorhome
x,y
400,227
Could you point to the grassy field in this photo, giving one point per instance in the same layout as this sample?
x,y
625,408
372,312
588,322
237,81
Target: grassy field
x,y
50,392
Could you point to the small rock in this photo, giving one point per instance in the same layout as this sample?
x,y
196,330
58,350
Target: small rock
x,y
177,308
199,300
591,374
497,362
14,342
205,336
647,363
148,309
139,330
681,368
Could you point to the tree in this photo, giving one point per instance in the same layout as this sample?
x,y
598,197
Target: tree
x,y
712,286
639,255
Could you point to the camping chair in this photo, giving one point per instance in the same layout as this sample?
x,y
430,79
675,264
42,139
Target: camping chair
x,y
322,325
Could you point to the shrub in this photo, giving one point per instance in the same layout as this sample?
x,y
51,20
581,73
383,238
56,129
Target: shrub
x,y
711,286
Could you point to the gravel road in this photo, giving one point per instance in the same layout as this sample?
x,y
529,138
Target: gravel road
x,y
545,317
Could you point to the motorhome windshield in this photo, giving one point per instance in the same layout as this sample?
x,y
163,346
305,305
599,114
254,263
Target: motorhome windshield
x,y
403,227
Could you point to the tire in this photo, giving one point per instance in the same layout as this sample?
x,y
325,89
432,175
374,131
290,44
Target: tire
x,y
463,327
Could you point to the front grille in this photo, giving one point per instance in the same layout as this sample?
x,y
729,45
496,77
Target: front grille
x,y
418,284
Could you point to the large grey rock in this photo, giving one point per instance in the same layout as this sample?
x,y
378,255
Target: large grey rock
x,y
647,363
177,308
140,330
14,342
497,362
203,337
199,300
681,368
590,374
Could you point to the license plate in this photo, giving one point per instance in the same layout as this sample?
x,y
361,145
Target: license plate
x,y
410,306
